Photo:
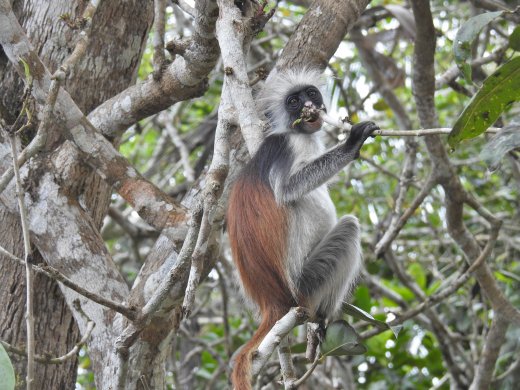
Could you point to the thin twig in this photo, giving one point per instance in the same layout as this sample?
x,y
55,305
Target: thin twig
x,y
452,73
313,340
39,140
29,314
341,124
444,293
56,360
184,6
396,227
132,331
512,368
158,38
308,373
53,273
184,153
83,39
225,315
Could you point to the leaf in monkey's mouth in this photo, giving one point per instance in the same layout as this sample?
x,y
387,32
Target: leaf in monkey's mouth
x,y
310,115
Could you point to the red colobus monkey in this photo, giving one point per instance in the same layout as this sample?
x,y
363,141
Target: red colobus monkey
x,y
286,242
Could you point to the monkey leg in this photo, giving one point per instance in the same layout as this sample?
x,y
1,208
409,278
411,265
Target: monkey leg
x,y
331,269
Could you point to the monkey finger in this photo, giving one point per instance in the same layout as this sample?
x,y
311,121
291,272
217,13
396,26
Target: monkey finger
x,y
371,129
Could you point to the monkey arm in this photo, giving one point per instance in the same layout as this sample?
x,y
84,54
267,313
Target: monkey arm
x,y
321,169
312,175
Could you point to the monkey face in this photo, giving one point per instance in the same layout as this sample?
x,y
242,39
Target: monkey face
x,y
303,106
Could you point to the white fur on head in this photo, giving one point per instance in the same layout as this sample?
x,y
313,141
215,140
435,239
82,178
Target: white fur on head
x,y
271,98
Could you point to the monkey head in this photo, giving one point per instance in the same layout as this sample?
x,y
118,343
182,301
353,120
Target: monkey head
x,y
292,101
303,106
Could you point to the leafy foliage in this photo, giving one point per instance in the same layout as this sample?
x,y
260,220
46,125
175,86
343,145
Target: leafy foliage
x,y
341,339
465,38
505,141
499,91
514,39
7,378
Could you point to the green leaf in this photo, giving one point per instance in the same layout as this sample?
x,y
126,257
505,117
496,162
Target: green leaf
x,y
341,339
514,39
497,94
360,314
7,378
26,70
380,105
465,37
299,348
508,275
362,298
203,373
434,286
396,329
506,140
296,122
417,272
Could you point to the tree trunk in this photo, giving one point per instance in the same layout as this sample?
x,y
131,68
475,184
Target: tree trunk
x,y
109,66
55,331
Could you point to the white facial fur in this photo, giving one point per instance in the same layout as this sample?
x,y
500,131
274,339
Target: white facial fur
x,y
271,98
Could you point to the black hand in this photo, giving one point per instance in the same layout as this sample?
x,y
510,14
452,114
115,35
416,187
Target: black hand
x,y
358,135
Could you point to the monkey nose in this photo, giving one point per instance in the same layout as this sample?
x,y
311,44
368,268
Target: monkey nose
x,y
308,104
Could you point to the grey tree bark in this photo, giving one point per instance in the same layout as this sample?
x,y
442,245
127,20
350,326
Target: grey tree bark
x,y
109,66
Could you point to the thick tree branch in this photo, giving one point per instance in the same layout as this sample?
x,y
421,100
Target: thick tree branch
x,y
306,46
175,276
296,316
233,31
184,79
489,355
212,218
153,205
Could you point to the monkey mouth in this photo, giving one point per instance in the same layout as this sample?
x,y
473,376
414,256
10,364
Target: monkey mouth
x,y
310,119
314,123
311,116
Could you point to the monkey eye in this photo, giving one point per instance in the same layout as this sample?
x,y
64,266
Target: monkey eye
x,y
312,92
293,102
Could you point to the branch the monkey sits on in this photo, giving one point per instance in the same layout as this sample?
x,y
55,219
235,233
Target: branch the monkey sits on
x,y
286,241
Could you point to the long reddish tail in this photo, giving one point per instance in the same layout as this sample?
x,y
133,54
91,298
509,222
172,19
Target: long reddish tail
x,y
242,376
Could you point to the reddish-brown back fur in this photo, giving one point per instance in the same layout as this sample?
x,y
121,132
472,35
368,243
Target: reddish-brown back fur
x,y
257,229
